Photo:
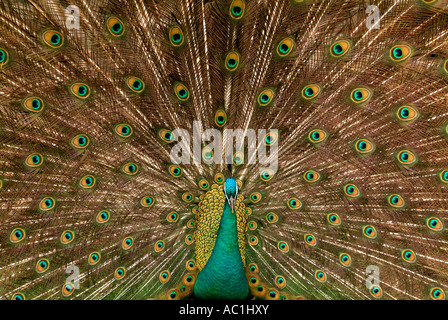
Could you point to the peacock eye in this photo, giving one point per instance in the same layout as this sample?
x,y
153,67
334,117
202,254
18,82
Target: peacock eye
x,y
123,130
265,97
68,289
67,237
42,265
87,182
334,219
33,104
17,235
267,175
232,61
159,246
283,246
173,295
252,225
285,47
437,294
376,291
94,258
294,204
81,141
53,39
311,176
18,296
187,197
47,204
253,240
364,146
80,90
409,256
253,267
203,184
407,113
176,36
172,217
127,243
181,92
120,272
255,197
434,224
164,276
219,178
238,158
320,276
280,282
115,26
310,239
166,135
207,155
396,201
311,91
345,259
340,48
400,53
317,136
271,217
237,9
189,239
220,118
135,84
4,57
34,160
130,168
406,157
103,216
191,265
352,191
360,95
369,232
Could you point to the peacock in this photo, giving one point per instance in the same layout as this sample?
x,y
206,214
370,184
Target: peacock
x,y
223,149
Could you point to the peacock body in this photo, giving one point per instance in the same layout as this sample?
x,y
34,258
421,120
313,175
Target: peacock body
x,y
98,97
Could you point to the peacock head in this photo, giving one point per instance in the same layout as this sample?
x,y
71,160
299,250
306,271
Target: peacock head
x,y
231,192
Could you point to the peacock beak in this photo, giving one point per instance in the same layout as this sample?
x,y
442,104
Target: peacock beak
x,y
231,201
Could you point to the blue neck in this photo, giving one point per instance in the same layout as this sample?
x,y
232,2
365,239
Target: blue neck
x,y
223,276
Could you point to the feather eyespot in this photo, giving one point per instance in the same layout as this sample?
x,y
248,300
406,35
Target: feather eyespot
x,y
34,160
18,296
310,240
173,294
311,176
127,243
340,48
271,217
53,39
406,157
164,276
189,279
80,90
17,235
253,240
437,294
360,95
311,91
352,191
33,104
68,289
434,224
364,146
320,276
252,225
81,141
334,219
172,216
42,265
272,295
248,211
207,155
317,136
87,182
191,265
94,258
115,26
237,9
270,138
187,197
265,97
190,224
255,197
4,57
345,259
238,158
67,237
396,201
47,204
280,282
294,204
189,239
219,178
267,175
445,66
147,202
119,273
135,84
283,246
400,53
369,232
181,92
254,281
407,113
176,36
159,246
166,135
203,184
408,256
232,61
102,217
376,291
220,118
253,267
285,47
123,130
130,169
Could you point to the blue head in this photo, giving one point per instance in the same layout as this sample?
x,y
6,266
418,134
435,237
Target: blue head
x,y
231,192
